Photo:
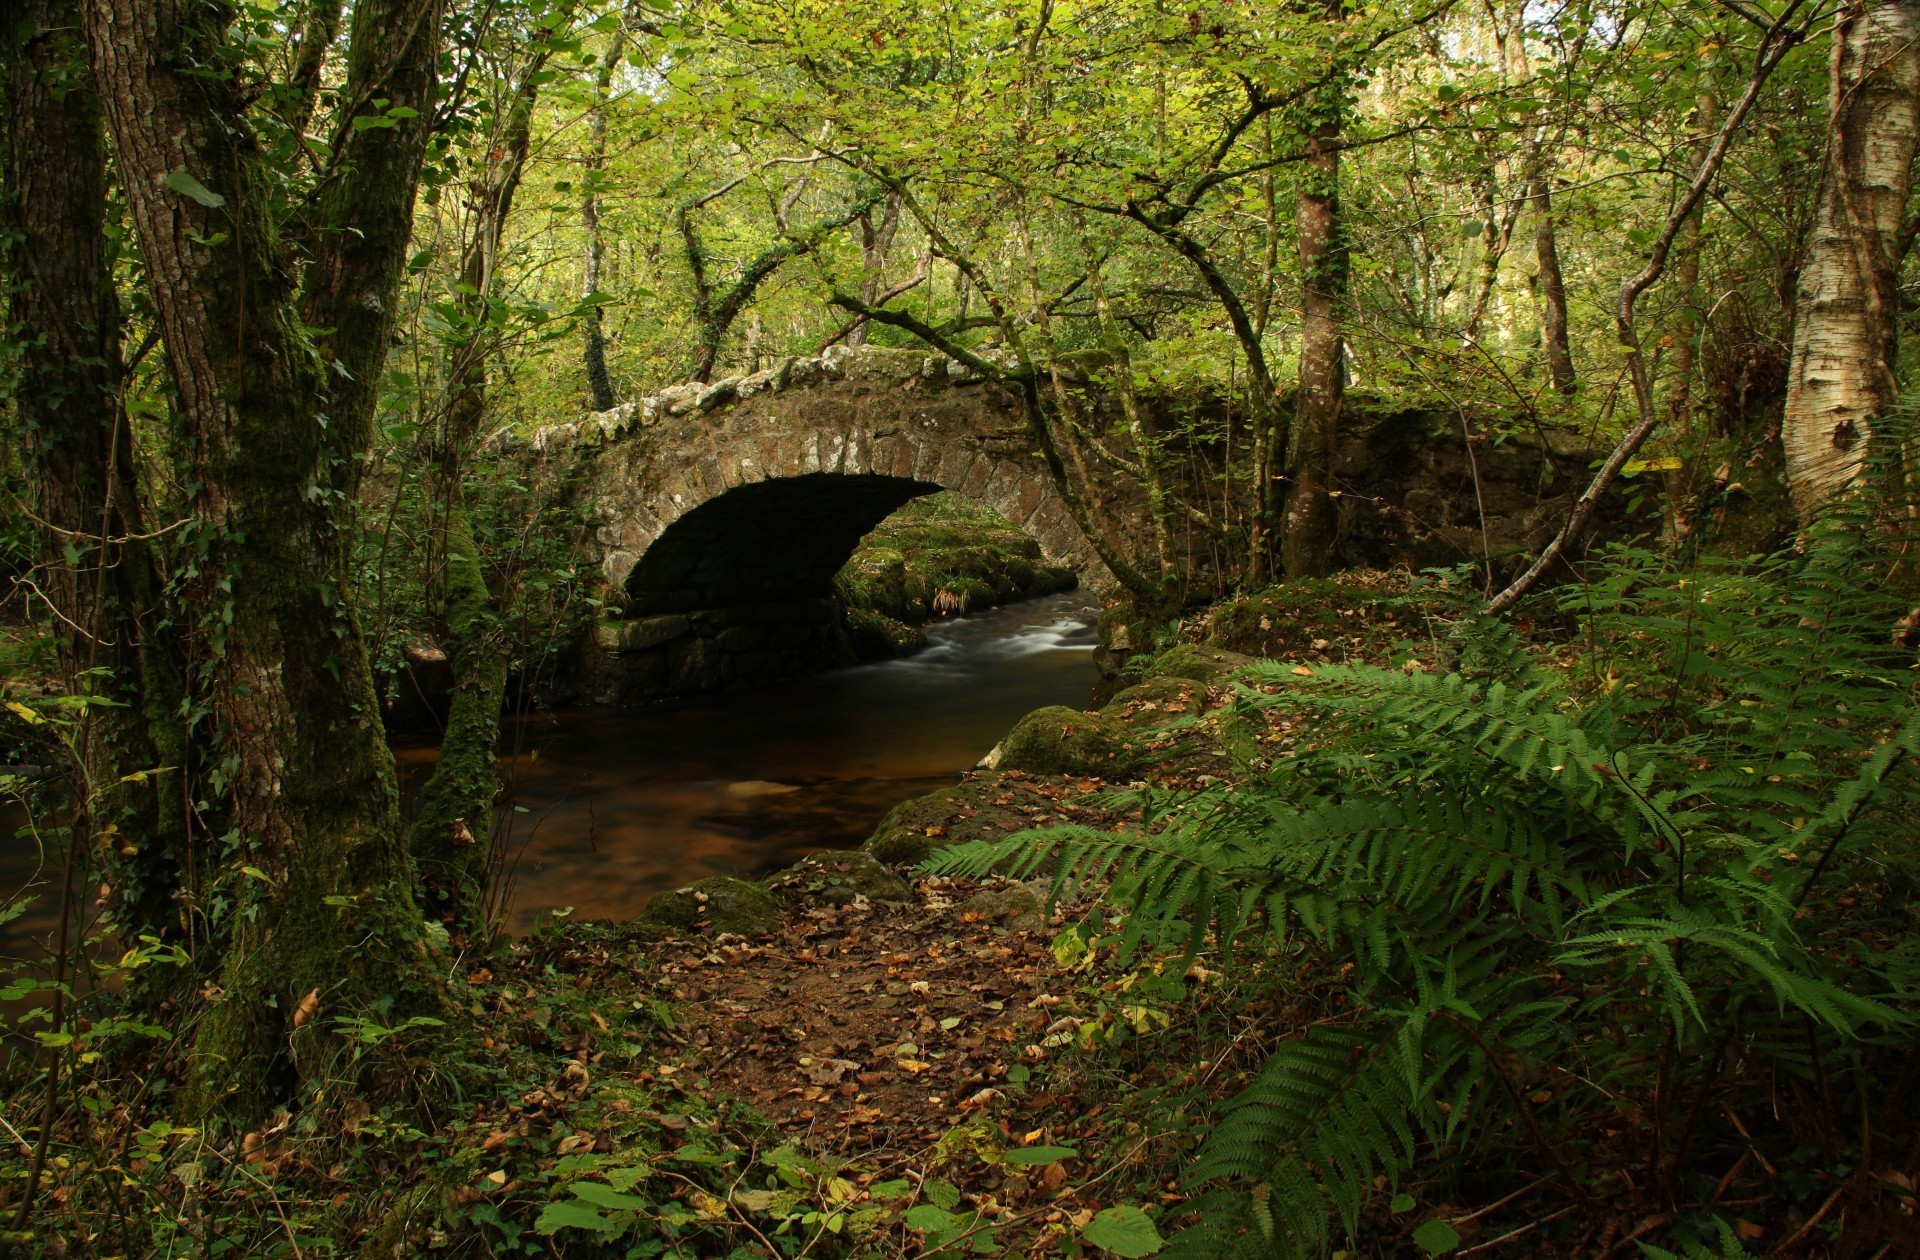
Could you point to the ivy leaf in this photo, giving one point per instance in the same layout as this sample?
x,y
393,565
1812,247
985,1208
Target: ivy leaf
x,y
607,1197
928,1219
1124,1231
191,188
1436,1238
571,1215
1040,1154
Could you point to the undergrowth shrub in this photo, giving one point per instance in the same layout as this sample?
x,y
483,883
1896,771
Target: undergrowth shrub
x,y
1562,907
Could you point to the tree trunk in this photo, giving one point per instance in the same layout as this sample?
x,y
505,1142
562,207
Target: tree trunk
x,y
97,576
599,384
1307,540
875,242
318,30
1841,374
451,836
1270,435
321,920
1497,237
1688,329
1146,444
1553,286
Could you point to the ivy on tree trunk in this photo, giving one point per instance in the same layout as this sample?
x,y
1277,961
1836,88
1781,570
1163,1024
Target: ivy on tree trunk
x,y
275,369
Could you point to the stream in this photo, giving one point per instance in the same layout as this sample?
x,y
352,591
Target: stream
x,y
612,806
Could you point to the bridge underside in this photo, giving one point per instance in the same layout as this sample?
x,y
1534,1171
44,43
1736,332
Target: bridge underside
x,y
771,541
739,591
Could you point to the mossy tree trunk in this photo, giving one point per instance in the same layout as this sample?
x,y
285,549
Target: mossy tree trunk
x,y
1553,284
1308,530
594,346
451,835
98,580
715,310
319,917
1689,327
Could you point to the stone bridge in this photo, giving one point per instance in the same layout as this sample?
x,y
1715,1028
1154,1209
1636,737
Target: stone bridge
x,y
720,513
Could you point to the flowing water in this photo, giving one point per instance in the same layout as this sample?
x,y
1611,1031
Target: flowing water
x,y
619,805
613,806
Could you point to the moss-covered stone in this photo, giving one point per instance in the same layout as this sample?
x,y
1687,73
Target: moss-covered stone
x,y
876,636
1197,663
1021,908
836,879
1146,703
939,557
717,904
947,817
1060,740
1351,616
912,829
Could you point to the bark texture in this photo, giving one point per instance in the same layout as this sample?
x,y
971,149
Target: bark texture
x,y
96,576
277,423
1553,285
1689,327
1841,374
876,241
594,346
1307,540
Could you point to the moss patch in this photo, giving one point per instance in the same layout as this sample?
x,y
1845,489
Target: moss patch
x,y
1059,740
1353,616
986,807
717,904
941,556
836,879
1197,663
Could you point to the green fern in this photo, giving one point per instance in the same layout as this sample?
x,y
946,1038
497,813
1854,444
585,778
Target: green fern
x,y
1506,865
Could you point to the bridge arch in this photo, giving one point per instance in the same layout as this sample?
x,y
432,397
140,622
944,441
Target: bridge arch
x,y
722,512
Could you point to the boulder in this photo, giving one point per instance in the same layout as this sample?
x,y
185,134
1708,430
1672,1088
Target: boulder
x,y
717,904
1060,740
836,879
1144,705
912,829
1021,908
1199,664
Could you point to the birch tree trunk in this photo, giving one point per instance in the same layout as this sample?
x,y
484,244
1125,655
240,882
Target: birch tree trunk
x,y
1841,374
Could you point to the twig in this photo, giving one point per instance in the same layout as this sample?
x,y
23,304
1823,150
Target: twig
x,y
1491,1243
1639,1231
1477,1213
1793,1239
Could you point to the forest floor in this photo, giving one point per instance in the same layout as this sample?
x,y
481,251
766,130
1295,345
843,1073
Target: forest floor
x,y
945,1064
882,1062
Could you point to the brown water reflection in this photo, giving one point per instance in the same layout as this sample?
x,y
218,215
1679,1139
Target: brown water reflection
x,y
621,805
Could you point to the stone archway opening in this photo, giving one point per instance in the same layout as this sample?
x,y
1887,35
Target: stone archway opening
x,y
776,542
741,589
